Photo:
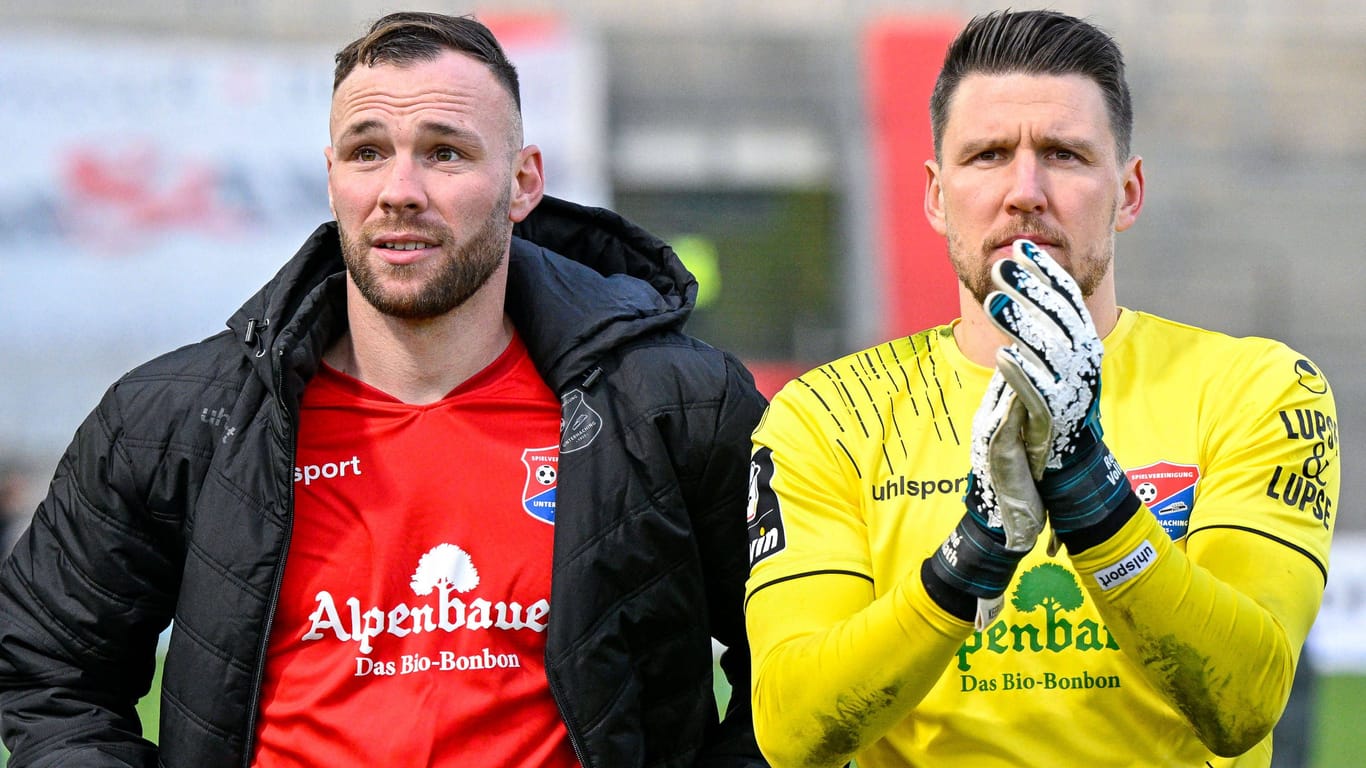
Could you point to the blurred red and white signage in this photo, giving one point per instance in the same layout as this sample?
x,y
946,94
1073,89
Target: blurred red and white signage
x,y
152,185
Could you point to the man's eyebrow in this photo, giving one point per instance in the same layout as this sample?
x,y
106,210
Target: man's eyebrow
x,y
359,129
1086,146
448,130
440,128
978,145
974,146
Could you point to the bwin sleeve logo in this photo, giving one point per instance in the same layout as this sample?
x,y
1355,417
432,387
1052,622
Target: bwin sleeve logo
x,y
763,518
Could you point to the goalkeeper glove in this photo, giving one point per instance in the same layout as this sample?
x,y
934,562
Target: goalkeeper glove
x,y
1054,367
1004,513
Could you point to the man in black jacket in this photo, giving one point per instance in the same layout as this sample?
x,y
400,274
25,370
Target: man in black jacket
x,y
454,488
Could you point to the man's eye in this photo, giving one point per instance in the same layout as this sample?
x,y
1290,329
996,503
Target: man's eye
x,y
445,155
367,155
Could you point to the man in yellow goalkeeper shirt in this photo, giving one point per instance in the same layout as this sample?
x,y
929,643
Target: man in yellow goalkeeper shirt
x,y
952,563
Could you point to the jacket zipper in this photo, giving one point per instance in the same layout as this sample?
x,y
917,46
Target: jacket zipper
x,y
253,712
571,727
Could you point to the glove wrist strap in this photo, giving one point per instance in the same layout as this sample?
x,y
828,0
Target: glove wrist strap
x,y
957,603
972,563
1089,499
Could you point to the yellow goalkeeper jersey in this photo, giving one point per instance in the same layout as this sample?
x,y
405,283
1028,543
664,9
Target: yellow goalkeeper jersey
x,y
861,466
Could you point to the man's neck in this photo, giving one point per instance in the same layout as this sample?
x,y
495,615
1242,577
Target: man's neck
x,y
420,362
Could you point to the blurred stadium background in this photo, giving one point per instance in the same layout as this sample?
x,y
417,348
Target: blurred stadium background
x,y
164,157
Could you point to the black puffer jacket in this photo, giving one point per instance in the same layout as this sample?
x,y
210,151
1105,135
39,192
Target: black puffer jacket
x,y
174,501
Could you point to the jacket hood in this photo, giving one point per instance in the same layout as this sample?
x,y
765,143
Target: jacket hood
x,y
581,281
584,280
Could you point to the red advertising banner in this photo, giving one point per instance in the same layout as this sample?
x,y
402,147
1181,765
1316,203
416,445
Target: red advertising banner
x,y
902,58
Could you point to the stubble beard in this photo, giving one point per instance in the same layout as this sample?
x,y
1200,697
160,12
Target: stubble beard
x,y
461,272
1088,268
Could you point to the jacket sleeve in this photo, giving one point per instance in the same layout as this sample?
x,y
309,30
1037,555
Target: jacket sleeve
x,y
83,598
717,501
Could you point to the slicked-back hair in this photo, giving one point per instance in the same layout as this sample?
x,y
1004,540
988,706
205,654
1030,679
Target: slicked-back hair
x,y
1036,43
409,37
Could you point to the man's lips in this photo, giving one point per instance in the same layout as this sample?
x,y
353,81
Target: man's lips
x,y
1005,248
402,249
1042,243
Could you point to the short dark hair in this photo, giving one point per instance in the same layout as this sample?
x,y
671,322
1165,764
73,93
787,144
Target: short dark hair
x,y
1039,43
411,36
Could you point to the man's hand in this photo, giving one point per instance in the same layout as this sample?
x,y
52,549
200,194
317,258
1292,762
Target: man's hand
x,y
1054,364
1004,511
1054,367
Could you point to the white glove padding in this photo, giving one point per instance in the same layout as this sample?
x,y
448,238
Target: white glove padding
x,y
1054,364
1054,368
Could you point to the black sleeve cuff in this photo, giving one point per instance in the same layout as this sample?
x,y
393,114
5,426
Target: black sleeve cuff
x,y
958,603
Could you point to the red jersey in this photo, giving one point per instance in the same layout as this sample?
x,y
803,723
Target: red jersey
x,y
410,628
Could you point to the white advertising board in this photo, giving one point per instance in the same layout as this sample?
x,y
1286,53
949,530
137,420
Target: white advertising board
x,y
1337,642
152,185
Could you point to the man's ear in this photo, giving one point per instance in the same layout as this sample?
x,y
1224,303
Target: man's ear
x,y
1131,194
934,198
327,155
528,183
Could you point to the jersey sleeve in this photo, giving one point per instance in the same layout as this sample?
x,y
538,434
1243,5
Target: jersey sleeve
x,y
1273,466
1217,625
835,664
804,516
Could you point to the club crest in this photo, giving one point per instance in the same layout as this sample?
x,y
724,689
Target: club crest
x,y
542,478
1169,491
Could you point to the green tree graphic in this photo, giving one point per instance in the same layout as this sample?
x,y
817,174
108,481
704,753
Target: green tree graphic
x,y
1049,585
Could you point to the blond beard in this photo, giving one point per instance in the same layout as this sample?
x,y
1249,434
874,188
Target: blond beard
x,y
463,270
1088,268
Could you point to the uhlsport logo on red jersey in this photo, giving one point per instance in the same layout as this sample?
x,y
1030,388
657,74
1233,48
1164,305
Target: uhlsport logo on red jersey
x,y
542,478
1169,491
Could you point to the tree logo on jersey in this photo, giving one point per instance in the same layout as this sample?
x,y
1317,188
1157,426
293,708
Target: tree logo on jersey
x,y
579,423
542,478
445,566
763,517
1054,589
1169,491
1048,586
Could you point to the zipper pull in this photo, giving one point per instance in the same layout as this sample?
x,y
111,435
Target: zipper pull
x,y
591,378
252,337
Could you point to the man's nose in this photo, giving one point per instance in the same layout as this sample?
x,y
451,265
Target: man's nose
x,y
1027,192
403,189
